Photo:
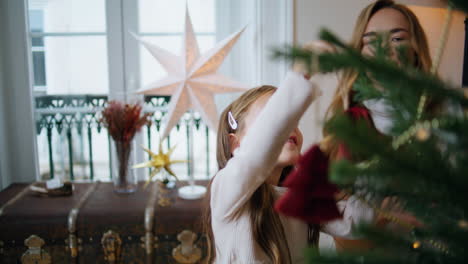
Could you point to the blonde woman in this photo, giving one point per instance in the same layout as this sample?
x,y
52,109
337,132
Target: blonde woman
x,y
402,27
258,141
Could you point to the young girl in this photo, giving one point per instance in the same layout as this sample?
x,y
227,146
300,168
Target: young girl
x,y
403,28
258,140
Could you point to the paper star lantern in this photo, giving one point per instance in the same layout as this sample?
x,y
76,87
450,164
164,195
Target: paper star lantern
x,y
191,79
158,162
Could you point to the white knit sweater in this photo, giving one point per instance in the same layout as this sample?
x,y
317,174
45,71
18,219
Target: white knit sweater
x,y
251,165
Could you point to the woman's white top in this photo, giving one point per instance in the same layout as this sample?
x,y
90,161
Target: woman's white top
x,y
251,165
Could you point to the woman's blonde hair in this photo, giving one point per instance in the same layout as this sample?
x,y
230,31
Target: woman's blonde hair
x,y
266,226
343,95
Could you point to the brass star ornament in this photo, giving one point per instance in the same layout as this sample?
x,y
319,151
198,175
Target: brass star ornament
x,y
158,162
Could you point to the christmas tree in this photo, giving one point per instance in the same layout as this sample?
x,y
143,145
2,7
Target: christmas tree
x,y
421,163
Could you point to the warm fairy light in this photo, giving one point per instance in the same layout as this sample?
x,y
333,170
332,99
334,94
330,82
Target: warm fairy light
x,y
463,224
416,245
423,134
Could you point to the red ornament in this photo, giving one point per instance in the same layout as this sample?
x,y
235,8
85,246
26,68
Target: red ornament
x,y
358,112
311,197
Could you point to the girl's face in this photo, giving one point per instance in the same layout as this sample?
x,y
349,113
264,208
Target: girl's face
x,y
391,23
292,147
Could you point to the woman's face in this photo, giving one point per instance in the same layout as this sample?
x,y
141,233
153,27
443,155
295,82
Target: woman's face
x,y
392,24
292,147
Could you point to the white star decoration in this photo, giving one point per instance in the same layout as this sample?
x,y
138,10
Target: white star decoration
x,y
191,79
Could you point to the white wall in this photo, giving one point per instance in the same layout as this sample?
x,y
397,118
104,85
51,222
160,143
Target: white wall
x,y
432,19
311,16
339,16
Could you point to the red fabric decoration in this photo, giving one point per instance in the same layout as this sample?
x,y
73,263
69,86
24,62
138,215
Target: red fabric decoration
x,y
311,197
355,113
358,112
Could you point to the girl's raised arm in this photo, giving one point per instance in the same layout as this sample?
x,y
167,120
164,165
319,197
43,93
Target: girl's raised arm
x,y
254,159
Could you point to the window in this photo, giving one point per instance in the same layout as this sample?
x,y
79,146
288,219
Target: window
x,y
162,22
38,56
69,51
72,34
84,54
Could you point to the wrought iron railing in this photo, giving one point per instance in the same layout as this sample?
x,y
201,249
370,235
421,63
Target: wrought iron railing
x,y
70,133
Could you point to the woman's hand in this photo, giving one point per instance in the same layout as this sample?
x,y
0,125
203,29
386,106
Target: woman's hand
x,y
317,47
320,46
392,210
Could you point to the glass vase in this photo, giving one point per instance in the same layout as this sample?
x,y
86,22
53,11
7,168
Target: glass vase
x,y
125,180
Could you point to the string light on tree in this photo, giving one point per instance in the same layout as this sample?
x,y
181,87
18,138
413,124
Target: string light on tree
x,y
423,134
416,245
463,224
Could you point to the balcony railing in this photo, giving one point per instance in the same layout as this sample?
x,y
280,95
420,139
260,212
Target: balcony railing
x,y
73,143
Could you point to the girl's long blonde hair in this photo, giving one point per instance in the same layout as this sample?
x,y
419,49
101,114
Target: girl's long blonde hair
x,y
343,95
267,229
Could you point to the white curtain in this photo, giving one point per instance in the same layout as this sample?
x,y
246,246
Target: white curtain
x,y
269,24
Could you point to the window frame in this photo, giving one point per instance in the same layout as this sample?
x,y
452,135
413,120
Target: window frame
x,y
19,156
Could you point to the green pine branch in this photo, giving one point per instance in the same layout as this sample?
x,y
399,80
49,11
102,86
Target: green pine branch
x,y
428,173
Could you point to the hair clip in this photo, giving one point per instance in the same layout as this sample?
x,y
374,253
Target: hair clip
x,y
232,121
